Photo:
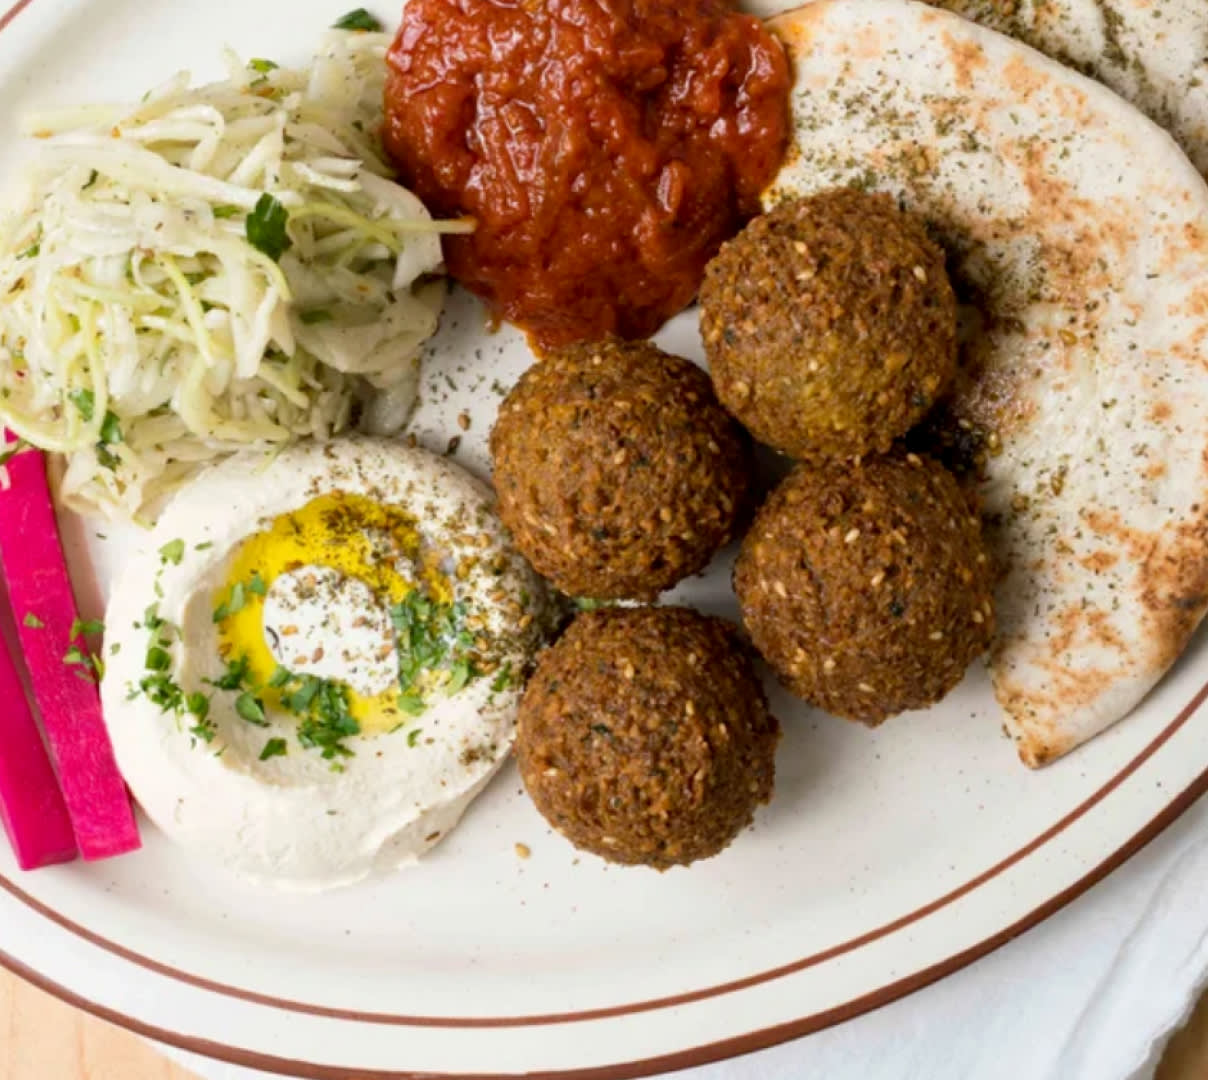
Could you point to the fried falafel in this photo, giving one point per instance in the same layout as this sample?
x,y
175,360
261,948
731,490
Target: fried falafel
x,y
618,472
830,324
644,735
867,588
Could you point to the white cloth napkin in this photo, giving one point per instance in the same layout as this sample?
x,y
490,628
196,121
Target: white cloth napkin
x,y
1091,994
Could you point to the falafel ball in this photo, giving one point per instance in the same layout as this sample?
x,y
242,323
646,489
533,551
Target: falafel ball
x,y
617,470
867,588
830,324
644,735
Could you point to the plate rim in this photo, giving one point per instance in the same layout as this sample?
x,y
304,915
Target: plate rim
x,y
730,1047
483,1023
691,1057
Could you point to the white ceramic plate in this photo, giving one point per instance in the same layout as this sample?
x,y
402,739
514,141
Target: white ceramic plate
x,y
886,860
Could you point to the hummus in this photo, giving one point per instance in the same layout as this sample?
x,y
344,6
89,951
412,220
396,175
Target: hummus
x,y
315,659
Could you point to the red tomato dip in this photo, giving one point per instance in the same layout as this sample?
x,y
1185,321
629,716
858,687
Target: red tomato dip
x,y
606,148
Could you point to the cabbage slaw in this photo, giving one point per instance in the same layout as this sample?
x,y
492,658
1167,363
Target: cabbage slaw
x,y
212,269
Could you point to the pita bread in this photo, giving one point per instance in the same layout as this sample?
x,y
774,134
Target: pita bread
x,y
1154,54
1082,230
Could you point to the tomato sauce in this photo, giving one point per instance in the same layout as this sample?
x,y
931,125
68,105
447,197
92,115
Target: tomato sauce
x,y
606,148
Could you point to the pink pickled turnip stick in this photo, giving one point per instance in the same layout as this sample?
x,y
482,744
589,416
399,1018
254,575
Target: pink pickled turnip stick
x,y
40,593
31,804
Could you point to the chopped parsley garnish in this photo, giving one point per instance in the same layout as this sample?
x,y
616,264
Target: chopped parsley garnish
x,y
274,748
88,667
413,736
158,685
315,315
459,675
198,706
84,627
321,706
205,546
205,730
161,690
430,636
262,66
233,604
300,698
360,19
92,179
158,659
411,704
226,211
323,709
586,603
256,585
279,677
172,552
503,680
234,676
329,722
251,709
33,622
417,626
266,227
85,403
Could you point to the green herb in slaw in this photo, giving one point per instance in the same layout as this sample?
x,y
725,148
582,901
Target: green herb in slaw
x,y
359,19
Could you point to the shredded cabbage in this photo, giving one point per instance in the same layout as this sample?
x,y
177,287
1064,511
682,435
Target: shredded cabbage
x,y
215,268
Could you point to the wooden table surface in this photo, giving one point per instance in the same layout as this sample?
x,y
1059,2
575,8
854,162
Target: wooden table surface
x,y
43,1039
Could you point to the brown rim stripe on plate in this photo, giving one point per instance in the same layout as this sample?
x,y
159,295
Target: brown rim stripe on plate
x,y
687,998
13,12
682,1059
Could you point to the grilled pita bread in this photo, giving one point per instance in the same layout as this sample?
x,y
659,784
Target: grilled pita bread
x,y
1082,231
1154,54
